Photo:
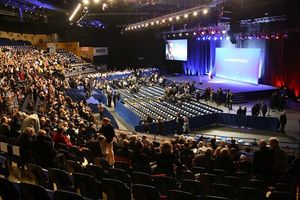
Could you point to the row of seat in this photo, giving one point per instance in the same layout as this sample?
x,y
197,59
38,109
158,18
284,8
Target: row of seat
x,y
166,111
162,185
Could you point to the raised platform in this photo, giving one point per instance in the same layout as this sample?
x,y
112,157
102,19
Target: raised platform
x,y
242,91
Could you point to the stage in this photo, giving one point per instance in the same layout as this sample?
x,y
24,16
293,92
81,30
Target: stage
x,y
242,91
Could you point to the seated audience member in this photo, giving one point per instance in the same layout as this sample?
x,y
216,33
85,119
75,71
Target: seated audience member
x,y
186,155
139,158
16,124
166,159
263,160
225,162
26,139
5,128
26,142
280,159
44,149
31,121
59,137
205,160
124,154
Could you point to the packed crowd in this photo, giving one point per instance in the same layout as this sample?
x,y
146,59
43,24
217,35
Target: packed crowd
x,y
27,72
61,121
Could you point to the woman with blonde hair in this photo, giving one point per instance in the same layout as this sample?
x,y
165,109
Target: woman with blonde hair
x,y
166,160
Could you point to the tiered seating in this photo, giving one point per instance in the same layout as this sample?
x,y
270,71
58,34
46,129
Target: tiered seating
x,y
146,102
71,56
9,42
79,69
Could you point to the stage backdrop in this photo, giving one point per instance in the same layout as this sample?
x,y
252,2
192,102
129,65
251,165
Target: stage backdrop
x,y
279,59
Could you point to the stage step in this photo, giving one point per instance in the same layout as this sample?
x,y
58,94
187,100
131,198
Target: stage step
x,y
239,98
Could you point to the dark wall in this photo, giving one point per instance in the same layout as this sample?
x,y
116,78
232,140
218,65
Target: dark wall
x,y
138,49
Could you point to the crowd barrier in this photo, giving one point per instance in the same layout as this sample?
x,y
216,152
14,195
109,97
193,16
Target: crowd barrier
x,y
264,123
129,116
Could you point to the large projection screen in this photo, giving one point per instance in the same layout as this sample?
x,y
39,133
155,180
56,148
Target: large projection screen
x,y
238,64
176,50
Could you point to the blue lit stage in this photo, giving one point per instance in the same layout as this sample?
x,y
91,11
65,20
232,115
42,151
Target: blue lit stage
x,y
216,83
242,91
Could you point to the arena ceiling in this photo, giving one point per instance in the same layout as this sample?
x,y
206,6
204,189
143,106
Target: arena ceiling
x,y
118,13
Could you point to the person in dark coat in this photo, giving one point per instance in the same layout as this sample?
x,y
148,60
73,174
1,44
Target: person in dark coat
x,y
166,159
283,121
225,162
44,149
139,158
205,160
264,109
26,143
16,124
179,123
4,127
160,126
109,133
263,161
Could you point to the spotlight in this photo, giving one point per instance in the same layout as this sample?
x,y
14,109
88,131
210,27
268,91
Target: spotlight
x,y
194,33
157,22
195,13
187,34
186,16
205,11
143,25
146,24
134,27
212,32
227,38
75,12
85,2
170,19
139,26
224,32
174,35
177,17
202,32
180,34
96,1
152,23
163,21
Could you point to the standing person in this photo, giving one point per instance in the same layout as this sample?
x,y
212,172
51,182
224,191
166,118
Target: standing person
x,y
198,95
211,95
109,133
283,121
101,110
239,113
186,125
115,98
245,111
160,126
109,97
179,123
227,98
149,121
264,109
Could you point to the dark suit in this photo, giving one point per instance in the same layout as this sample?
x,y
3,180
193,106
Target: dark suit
x,y
45,151
108,131
263,161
